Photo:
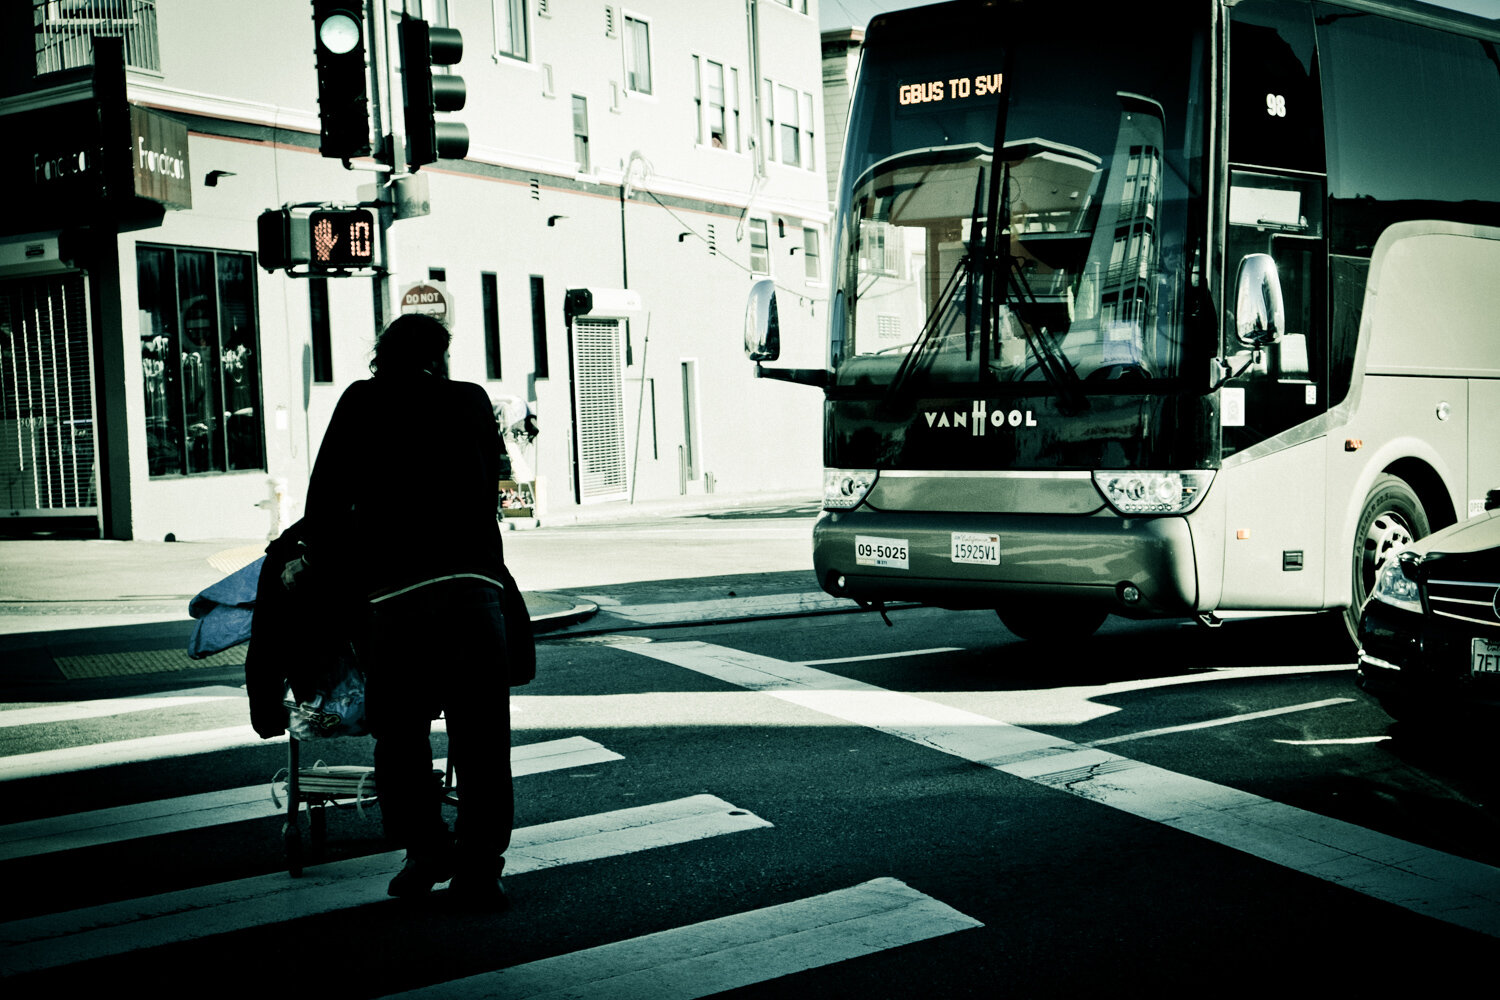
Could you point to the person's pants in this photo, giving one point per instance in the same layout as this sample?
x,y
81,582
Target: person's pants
x,y
441,649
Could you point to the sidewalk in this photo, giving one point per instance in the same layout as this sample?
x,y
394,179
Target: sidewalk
x,y
50,584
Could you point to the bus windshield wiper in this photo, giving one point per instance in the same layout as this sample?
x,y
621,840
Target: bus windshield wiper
x,y
964,268
1054,364
929,329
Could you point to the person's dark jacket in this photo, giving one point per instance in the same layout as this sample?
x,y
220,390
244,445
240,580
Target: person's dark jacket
x,y
405,489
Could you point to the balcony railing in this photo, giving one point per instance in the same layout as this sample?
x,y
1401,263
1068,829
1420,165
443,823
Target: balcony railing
x,y
66,29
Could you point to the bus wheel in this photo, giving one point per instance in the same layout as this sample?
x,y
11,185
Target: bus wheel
x,y
1048,621
1392,519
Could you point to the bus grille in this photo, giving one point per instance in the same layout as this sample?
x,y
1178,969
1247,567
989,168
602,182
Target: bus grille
x,y
1466,600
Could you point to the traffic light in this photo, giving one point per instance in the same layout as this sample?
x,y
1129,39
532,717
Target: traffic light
x,y
425,93
343,89
330,241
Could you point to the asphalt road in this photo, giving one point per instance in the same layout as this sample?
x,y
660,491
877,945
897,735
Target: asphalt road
x,y
800,799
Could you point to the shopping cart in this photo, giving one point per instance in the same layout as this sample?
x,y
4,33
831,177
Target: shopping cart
x,y
319,787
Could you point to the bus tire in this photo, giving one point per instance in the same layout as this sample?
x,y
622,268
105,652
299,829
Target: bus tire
x,y
1051,621
1391,519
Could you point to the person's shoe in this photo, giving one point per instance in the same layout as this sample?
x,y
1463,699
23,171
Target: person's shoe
x,y
478,892
421,872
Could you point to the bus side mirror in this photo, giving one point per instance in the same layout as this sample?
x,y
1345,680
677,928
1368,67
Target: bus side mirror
x,y
762,326
1259,308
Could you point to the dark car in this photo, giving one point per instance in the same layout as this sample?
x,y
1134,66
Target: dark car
x,y
1429,635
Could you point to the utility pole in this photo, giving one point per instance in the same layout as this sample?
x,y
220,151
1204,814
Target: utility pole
x,y
387,151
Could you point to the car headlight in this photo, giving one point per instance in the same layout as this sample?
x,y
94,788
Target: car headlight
x,y
1154,492
1395,588
845,489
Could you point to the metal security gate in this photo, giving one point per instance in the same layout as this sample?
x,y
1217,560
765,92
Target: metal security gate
x,y
603,473
47,458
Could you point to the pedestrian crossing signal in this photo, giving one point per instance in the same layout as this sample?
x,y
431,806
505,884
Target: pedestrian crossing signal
x,y
343,238
330,242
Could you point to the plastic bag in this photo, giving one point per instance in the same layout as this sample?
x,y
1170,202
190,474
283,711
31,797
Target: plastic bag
x,y
339,711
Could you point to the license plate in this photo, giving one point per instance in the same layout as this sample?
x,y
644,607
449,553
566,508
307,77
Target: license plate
x,y
887,553
1485,656
976,548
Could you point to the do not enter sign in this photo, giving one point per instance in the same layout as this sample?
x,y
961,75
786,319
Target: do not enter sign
x,y
430,298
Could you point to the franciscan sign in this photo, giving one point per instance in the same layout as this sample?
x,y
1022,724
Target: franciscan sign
x,y
89,159
160,158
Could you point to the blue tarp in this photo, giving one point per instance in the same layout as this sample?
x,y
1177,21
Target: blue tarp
x,y
223,612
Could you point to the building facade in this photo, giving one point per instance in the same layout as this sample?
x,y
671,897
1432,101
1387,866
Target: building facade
x,y
156,379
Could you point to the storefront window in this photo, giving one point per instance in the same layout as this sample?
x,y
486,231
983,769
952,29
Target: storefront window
x,y
200,361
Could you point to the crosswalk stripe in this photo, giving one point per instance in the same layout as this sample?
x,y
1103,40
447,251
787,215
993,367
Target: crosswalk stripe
x,y
52,940
882,656
1229,720
146,748
71,711
191,812
723,954
1449,888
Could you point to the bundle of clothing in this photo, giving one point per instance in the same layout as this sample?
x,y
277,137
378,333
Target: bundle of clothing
x,y
304,642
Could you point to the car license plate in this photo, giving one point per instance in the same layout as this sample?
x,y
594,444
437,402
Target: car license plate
x,y
975,547
887,553
1485,656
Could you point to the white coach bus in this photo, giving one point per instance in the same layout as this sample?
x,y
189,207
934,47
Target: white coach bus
x,y
1157,314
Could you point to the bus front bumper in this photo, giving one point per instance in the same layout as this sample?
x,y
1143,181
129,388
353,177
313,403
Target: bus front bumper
x,y
1139,567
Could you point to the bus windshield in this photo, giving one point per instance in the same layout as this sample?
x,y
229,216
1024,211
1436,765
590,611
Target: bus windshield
x,y
1082,286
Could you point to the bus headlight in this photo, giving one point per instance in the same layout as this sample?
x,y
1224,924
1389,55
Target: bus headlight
x,y
845,489
1154,492
1395,588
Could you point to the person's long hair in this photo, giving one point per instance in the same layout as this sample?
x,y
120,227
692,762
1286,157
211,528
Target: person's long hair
x,y
412,344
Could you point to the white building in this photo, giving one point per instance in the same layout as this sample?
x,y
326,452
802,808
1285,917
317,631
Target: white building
x,y
157,380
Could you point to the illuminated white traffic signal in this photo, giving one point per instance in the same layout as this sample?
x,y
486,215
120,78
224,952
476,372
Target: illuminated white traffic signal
x,y
343,87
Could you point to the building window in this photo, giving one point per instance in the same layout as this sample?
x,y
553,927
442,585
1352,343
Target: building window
x,y
200,361
322,330
789,133
760,247
808,146
637,55
581,133
788,126
538,326
734,106
768,129
811,254
510,29
489,298
714,102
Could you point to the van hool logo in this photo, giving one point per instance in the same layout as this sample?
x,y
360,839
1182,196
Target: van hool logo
x,y
980,416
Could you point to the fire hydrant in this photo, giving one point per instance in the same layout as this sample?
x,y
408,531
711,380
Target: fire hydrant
x,y
278,504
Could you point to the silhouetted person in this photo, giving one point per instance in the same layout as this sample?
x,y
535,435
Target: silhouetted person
x,y
401,512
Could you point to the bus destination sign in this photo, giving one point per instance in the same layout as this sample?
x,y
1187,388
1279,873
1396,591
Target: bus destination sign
x,y
955,88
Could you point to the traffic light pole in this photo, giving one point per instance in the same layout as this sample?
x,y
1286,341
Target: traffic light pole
x,y
387,153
